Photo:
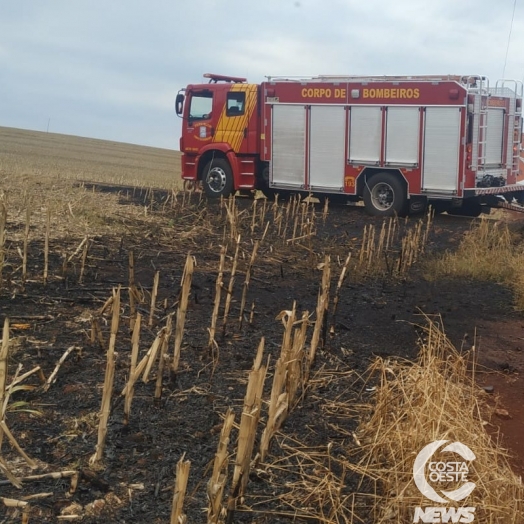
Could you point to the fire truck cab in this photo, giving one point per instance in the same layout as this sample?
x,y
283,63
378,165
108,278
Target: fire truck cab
x,y
397,143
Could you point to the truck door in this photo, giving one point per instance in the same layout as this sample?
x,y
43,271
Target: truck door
x,y
236,125
198,126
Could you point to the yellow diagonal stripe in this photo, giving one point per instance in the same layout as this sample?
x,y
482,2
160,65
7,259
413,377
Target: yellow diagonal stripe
x,y
230,129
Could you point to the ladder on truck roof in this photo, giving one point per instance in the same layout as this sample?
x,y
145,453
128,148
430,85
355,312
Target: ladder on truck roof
x,y
501,88
514,116
478,86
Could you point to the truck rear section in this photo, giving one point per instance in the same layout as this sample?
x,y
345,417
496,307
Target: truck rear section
x,y
397,143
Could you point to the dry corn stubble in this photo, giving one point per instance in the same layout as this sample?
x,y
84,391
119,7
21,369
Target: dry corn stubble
x,y
154,293
219,477
4,352
229,291
107,392
322,306
3,225
374,252
256,245
392,251
247,432
135,341
163,358
288,377
187,277
179,492
218,292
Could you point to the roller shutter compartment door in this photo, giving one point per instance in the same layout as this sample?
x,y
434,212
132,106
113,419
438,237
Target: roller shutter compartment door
x,y
402,136
494,137
441,149
326,147
365,134
288,145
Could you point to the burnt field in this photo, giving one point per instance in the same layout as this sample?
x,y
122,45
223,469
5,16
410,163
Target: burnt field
x,y
268,312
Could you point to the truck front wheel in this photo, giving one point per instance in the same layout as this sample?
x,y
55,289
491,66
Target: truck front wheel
x,y
384,195
217,178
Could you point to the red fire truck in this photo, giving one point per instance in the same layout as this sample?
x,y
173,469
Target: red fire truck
x,y
397,143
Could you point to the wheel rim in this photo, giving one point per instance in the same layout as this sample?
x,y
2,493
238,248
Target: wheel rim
x,y
382,196
216,179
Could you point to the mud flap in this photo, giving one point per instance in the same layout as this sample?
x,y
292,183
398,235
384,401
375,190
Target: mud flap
x,y
417,204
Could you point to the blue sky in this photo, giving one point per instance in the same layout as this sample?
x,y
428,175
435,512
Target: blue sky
x,y
111,70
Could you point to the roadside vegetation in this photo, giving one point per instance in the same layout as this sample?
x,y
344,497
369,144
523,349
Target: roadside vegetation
x,y
490,251
414,403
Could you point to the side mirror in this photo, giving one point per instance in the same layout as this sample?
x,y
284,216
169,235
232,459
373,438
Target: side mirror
x,y
179,104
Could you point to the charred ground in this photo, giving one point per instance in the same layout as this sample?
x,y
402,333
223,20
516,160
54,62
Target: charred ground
x,y
378,313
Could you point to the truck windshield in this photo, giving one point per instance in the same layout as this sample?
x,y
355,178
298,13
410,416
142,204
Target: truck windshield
x,y
201,105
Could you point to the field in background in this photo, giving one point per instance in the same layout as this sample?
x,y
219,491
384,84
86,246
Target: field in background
x,y
64,157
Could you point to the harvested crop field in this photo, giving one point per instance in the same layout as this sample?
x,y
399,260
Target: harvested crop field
x,y
170,359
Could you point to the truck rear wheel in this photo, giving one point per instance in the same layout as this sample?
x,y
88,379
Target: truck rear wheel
x,y
217,178
470,208
384,195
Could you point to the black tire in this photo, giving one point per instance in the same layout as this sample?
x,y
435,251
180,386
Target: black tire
x,y
470,208
217,178
385,196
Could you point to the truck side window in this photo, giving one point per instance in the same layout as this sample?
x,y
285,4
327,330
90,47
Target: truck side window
x,y
201,106
236,101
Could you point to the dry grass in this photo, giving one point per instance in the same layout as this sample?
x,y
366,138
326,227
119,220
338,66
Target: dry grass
x,y
370,478
490,251
41,193
415,404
